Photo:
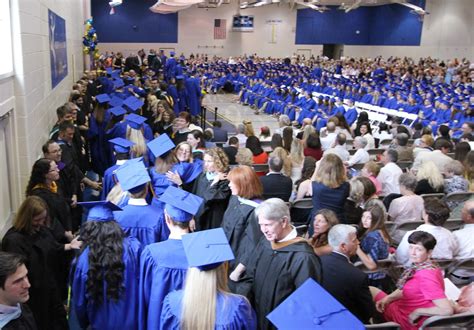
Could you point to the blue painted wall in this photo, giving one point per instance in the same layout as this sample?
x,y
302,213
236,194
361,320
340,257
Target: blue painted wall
x,y
379,25
133,22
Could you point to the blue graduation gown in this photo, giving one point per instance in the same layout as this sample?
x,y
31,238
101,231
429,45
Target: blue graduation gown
x,y
351,115
193,91
108,181
144,222
232,312
163,268
122,314
99,145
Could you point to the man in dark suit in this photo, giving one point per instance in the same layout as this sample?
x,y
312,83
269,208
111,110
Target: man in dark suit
x,y
231,150
341,279
220,134
275,183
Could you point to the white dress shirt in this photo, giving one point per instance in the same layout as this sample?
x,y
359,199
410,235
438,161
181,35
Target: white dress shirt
x,y
388,178
465,238
341,151
360,157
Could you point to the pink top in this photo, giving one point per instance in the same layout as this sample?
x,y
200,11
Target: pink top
x,y
419,292
377,184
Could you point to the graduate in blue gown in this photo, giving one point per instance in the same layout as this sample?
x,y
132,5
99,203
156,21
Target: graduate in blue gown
x,y
122,153
206,252
139,219
104,288
163,265
193,92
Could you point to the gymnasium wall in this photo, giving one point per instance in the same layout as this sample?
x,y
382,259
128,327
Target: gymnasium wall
x,y
446,33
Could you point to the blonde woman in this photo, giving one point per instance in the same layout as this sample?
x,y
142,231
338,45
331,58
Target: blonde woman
x,y
297,159
330,187
430,180
140,148
248,128
283,154
205,302
244,157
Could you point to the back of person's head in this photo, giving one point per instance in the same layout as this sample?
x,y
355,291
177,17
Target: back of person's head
x,y
443,130
340,234
356,193
429,171
331,127
253,143
360,141
372,168
246,181
427,139
424,238
284,120
369,187
341,139
408,180
233,141
61,112
461,151
392,155
38,173
240,128
442,144
455,167
274,209
32,207
437,211
313,141
402,139
331,171
287,138
276,141
9,263
383,127
403,129
275,163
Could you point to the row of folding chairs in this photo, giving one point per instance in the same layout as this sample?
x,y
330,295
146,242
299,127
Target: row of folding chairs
x,y
457,321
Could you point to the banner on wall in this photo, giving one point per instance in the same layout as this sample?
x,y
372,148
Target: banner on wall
x,y
242,23
272,28
57,48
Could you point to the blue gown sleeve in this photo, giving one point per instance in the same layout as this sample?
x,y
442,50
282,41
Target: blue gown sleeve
x,y
243,318
144,289
168,320
79,291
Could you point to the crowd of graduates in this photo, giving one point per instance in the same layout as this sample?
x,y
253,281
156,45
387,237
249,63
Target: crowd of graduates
x,y
138,218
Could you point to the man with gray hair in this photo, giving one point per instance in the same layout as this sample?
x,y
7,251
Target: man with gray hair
x,y
405,153
342,279
361,156
280,263
390,173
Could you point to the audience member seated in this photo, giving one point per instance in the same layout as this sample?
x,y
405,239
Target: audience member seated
x,y
330,187
425,145
244,156
437,156
339,148
461,151
389,173
371,170
443,135
196,140
240,128
435,215
409,207
430,180
285,156
465,302
420,292
303,186
366,132
259,156
232,149
276,184
352,204
405,153
361,156
297,159
328,140
313,147
374,244
465,239
265,135
341,279
454,180
220,134
323,222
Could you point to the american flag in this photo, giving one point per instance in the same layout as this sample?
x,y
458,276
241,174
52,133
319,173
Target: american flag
x,y
220,29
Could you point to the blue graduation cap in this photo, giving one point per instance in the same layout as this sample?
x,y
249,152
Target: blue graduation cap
x,y
102,98
312,307
135,121
115,101
121,145
180,204
118,83
161,145
101,210
132,175
117,111
109,70
207,249
133,103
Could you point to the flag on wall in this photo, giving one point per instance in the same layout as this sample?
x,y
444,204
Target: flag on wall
x,y
220,28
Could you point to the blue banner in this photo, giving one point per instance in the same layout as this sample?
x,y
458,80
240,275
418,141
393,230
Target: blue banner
x,y
57,48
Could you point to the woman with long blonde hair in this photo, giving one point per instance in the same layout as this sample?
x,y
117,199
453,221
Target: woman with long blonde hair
x,y
283,154
430,180
205,302
330,187
297,159
139,149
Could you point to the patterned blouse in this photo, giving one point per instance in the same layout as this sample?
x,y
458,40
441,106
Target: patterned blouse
x,y
375,246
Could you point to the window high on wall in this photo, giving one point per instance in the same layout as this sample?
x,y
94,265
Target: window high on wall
x,y
6,53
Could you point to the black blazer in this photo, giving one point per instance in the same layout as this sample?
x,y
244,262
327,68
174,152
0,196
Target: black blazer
x,y
276,185
348,285
220,134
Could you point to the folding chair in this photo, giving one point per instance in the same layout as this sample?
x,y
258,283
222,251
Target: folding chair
x,y
409,225
260,168
383,326
457,321
375,152
435,195
458,197
300,210
453,224
405,166
382,265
